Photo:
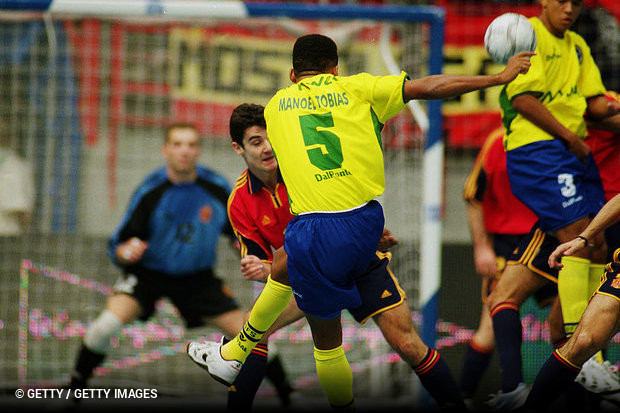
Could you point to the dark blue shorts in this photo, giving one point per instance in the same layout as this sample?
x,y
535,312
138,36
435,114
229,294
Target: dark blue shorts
x,y
511,248
554,184
326,252
378,289
610,281
533,251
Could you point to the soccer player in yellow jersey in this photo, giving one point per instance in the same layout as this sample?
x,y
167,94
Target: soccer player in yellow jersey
x,y
552,171
325,132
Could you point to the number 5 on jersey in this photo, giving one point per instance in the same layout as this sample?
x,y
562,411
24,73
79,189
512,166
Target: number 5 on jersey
x,y
322,146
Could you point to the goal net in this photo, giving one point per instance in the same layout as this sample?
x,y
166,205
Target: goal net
x,y
85,94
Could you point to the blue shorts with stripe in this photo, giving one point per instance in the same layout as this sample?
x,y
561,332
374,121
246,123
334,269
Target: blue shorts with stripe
x,y
326,252
512,247
610,281
533,251
554,184
378,288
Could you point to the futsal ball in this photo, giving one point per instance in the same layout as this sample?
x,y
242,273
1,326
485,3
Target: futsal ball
x,y
508,35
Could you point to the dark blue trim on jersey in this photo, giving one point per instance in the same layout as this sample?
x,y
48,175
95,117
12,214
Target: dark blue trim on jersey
x,y
255,184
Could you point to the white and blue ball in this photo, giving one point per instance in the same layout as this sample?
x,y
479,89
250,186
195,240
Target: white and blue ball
x,y
508,35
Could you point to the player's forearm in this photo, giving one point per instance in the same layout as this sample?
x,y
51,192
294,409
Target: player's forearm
x,y
611,123
266,271
600,108
479,235
534,111
607,216
446,86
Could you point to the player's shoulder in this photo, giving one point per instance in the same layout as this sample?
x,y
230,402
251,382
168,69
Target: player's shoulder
x,y
150,183
494,140
361,80
154,179
242,180
240,184
578,40
575,36
360,84
211,176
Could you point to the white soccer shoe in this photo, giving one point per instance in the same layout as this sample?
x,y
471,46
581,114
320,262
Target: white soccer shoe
x,y
207,355
599,378
504,402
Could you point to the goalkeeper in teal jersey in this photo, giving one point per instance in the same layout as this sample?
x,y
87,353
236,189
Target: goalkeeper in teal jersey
x,y
325,132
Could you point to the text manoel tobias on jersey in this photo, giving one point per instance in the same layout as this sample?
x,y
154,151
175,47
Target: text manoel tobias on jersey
x,y
328,100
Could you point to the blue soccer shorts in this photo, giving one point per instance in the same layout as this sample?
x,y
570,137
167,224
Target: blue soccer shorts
x,y
554,184
610,281
378,288
326,251
533,251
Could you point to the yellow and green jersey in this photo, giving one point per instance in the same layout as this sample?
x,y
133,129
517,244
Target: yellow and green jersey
x,y
562,75
326,133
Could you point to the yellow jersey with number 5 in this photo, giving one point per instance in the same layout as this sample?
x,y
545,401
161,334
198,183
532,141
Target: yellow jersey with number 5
x,y
325,131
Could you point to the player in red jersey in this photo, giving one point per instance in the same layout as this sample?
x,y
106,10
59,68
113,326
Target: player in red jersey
x,y
498,223
605,146
258,209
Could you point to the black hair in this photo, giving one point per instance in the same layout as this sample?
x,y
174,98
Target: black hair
x,y
178,125
314,53
245,116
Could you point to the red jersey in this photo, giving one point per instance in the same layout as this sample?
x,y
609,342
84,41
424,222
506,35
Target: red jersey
x,y
488,183
258,216
605,147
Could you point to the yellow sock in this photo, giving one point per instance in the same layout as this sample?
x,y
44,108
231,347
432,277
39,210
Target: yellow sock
x,y
594,280
335,377
270,303
573,282
594,277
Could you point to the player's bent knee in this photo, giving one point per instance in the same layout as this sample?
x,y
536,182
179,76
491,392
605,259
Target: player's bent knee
x,y
99,332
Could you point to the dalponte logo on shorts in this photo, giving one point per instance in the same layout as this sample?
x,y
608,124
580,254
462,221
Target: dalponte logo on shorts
x,y
331,174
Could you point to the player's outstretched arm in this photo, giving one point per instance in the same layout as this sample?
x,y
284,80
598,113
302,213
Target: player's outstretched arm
x,y
445,86
608,215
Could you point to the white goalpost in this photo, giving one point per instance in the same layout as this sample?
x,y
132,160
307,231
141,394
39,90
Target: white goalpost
x,y
86,87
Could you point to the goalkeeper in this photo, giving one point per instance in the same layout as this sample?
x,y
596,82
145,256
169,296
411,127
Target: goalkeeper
x,y
325,130
166,246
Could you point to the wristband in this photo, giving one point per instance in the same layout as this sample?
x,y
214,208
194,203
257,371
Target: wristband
x,y
584,239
